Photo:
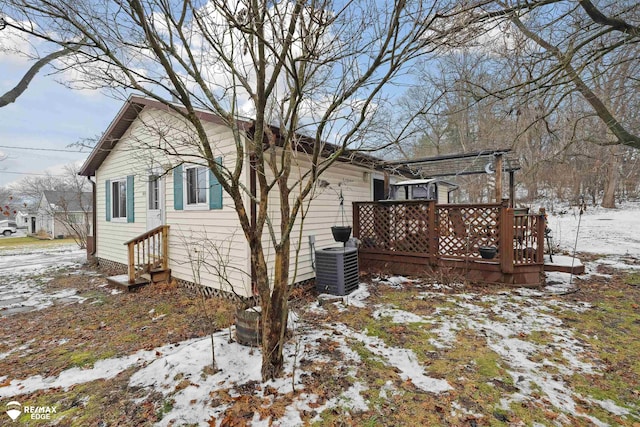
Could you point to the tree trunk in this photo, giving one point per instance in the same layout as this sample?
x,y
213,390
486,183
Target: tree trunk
x,y
274,317
609,197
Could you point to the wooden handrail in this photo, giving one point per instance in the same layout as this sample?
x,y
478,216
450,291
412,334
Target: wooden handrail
x,y
146,235
154,245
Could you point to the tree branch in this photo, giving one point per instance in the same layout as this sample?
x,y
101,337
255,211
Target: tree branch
x,y
13,94
614,126
615,23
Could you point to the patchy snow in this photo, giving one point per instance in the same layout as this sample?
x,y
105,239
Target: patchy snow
x,y
505,320
358,297
601,230
102,369
403,359
398,316
22,273
562,261
349,401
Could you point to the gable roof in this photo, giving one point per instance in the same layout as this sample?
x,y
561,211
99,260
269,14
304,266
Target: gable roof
x,y
135,104
121,123
70,201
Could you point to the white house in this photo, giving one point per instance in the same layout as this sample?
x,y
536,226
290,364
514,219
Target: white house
x,y
62,213
26,220
138,187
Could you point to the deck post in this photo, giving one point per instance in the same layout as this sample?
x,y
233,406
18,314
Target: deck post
x,y
356,219
506,238
165,247
499,166
433,232
131,270
542,226
512,190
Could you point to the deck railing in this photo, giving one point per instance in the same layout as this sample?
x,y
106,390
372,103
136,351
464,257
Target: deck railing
x,y
147,252
431,232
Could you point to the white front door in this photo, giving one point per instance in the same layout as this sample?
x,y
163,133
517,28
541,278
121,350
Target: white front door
x,y
155,201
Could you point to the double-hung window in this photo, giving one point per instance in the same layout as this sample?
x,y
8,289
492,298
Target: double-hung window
x,y
119,199
197,186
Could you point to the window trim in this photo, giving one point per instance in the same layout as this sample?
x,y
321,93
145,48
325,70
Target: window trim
x,y
185,193
113,200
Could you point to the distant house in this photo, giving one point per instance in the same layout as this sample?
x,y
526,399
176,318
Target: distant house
x,y
64,213
26,220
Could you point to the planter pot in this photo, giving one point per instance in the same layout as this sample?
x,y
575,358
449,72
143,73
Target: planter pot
x,y
488,252
248,327
341,233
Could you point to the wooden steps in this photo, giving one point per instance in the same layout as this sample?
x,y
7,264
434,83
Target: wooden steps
x,y
155,276
563,264
122,282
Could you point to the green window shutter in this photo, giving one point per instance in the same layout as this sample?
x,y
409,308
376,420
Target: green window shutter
x,y
107,199
130,198
178,198
215,190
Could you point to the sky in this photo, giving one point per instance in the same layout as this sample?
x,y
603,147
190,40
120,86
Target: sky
x,y
47,116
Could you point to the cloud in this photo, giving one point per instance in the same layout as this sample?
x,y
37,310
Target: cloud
x,y
15,47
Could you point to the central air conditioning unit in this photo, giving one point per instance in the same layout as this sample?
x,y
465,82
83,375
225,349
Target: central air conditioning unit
x,y
336,270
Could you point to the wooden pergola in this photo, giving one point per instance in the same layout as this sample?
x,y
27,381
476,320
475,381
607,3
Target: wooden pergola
x,y
500,162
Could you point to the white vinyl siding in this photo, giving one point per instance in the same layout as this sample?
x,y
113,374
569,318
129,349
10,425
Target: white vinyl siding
x,y
190,230
443,193
215,231
322,212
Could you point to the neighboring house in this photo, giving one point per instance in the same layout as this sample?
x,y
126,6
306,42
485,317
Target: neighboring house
x,y
138,187
27,220
64,213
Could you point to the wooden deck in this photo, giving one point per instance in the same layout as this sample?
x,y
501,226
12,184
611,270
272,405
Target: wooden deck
x,y
424,238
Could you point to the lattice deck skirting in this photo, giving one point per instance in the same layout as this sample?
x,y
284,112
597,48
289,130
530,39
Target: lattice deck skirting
x,y
113,267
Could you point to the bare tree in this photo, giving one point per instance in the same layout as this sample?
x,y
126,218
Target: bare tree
x,y
12,94
556,80
73,211
566,40
313,68
70,202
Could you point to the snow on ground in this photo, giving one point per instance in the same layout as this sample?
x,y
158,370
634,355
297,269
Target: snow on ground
x,y
599,230
24,270
610,233
504,319
102,369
